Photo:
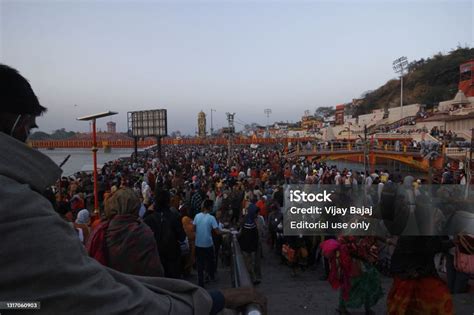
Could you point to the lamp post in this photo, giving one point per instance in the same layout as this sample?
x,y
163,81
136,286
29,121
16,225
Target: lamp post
x,y
231,129
399,66
93,119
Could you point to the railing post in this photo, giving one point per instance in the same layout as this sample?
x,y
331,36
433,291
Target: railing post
x,y
332,146
405,148
241,274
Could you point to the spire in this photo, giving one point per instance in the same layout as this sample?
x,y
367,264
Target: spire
x,y
460,98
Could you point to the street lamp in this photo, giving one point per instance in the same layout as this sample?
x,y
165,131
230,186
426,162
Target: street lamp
x,y
399,66
93,118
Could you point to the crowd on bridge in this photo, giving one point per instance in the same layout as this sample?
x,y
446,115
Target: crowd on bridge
x,y
394,145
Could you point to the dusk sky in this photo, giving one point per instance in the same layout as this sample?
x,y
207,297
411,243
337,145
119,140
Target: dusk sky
x,y
232,56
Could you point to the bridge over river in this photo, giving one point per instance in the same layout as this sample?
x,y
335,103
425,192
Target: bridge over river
x,y
381,147
373,152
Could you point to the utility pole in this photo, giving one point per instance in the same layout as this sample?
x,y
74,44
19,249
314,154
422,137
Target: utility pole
x,y
158,147
230,121
267,112
472,146
212,126
469,166
399,66
135,147
366,153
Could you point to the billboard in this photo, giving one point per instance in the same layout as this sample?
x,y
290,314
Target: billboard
x,y
148,123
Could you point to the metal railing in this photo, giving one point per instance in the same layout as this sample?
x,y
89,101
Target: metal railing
x,y
343,147
240,274
456,151
129,143
393,125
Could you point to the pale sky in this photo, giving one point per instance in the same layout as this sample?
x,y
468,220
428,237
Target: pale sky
x,y
232,56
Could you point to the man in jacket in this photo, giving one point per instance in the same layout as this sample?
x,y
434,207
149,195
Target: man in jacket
x,y
169,233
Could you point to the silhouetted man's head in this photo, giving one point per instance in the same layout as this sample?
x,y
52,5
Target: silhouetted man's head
x,y
19,104
207,205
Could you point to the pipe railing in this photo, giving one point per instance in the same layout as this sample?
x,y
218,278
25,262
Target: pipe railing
x,y
240,274
343,147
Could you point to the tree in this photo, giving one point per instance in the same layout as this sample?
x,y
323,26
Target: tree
x,y
40,135
175,134
324,111
363,95
61,134
428,81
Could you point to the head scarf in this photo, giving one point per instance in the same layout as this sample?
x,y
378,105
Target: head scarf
x,y
83,217
123,201
408,181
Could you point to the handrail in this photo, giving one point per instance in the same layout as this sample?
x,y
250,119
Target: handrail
x,y
129,143
345,147
241,275
393,125
456,151
464,134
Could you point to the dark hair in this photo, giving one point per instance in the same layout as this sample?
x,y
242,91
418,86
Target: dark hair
x,y
207,204
63,208
16,94
162,198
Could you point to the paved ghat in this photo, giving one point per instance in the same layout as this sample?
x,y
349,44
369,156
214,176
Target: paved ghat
x,y
306,294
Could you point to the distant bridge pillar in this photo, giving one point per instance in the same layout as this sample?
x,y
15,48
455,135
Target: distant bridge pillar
x,y
372,161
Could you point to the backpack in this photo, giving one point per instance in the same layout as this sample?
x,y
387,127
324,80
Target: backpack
x,y
165,235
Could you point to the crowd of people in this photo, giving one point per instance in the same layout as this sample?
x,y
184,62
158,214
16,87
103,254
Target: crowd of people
x,y
46,232
163,215
201,197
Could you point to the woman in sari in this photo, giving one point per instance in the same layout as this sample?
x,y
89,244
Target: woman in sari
x,y
83,222
125,242
417,289
352,271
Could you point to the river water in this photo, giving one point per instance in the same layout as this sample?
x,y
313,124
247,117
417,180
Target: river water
x,y
81,157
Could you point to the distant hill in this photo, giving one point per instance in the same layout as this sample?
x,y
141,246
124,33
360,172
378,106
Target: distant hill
x,y
59,134
428,81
